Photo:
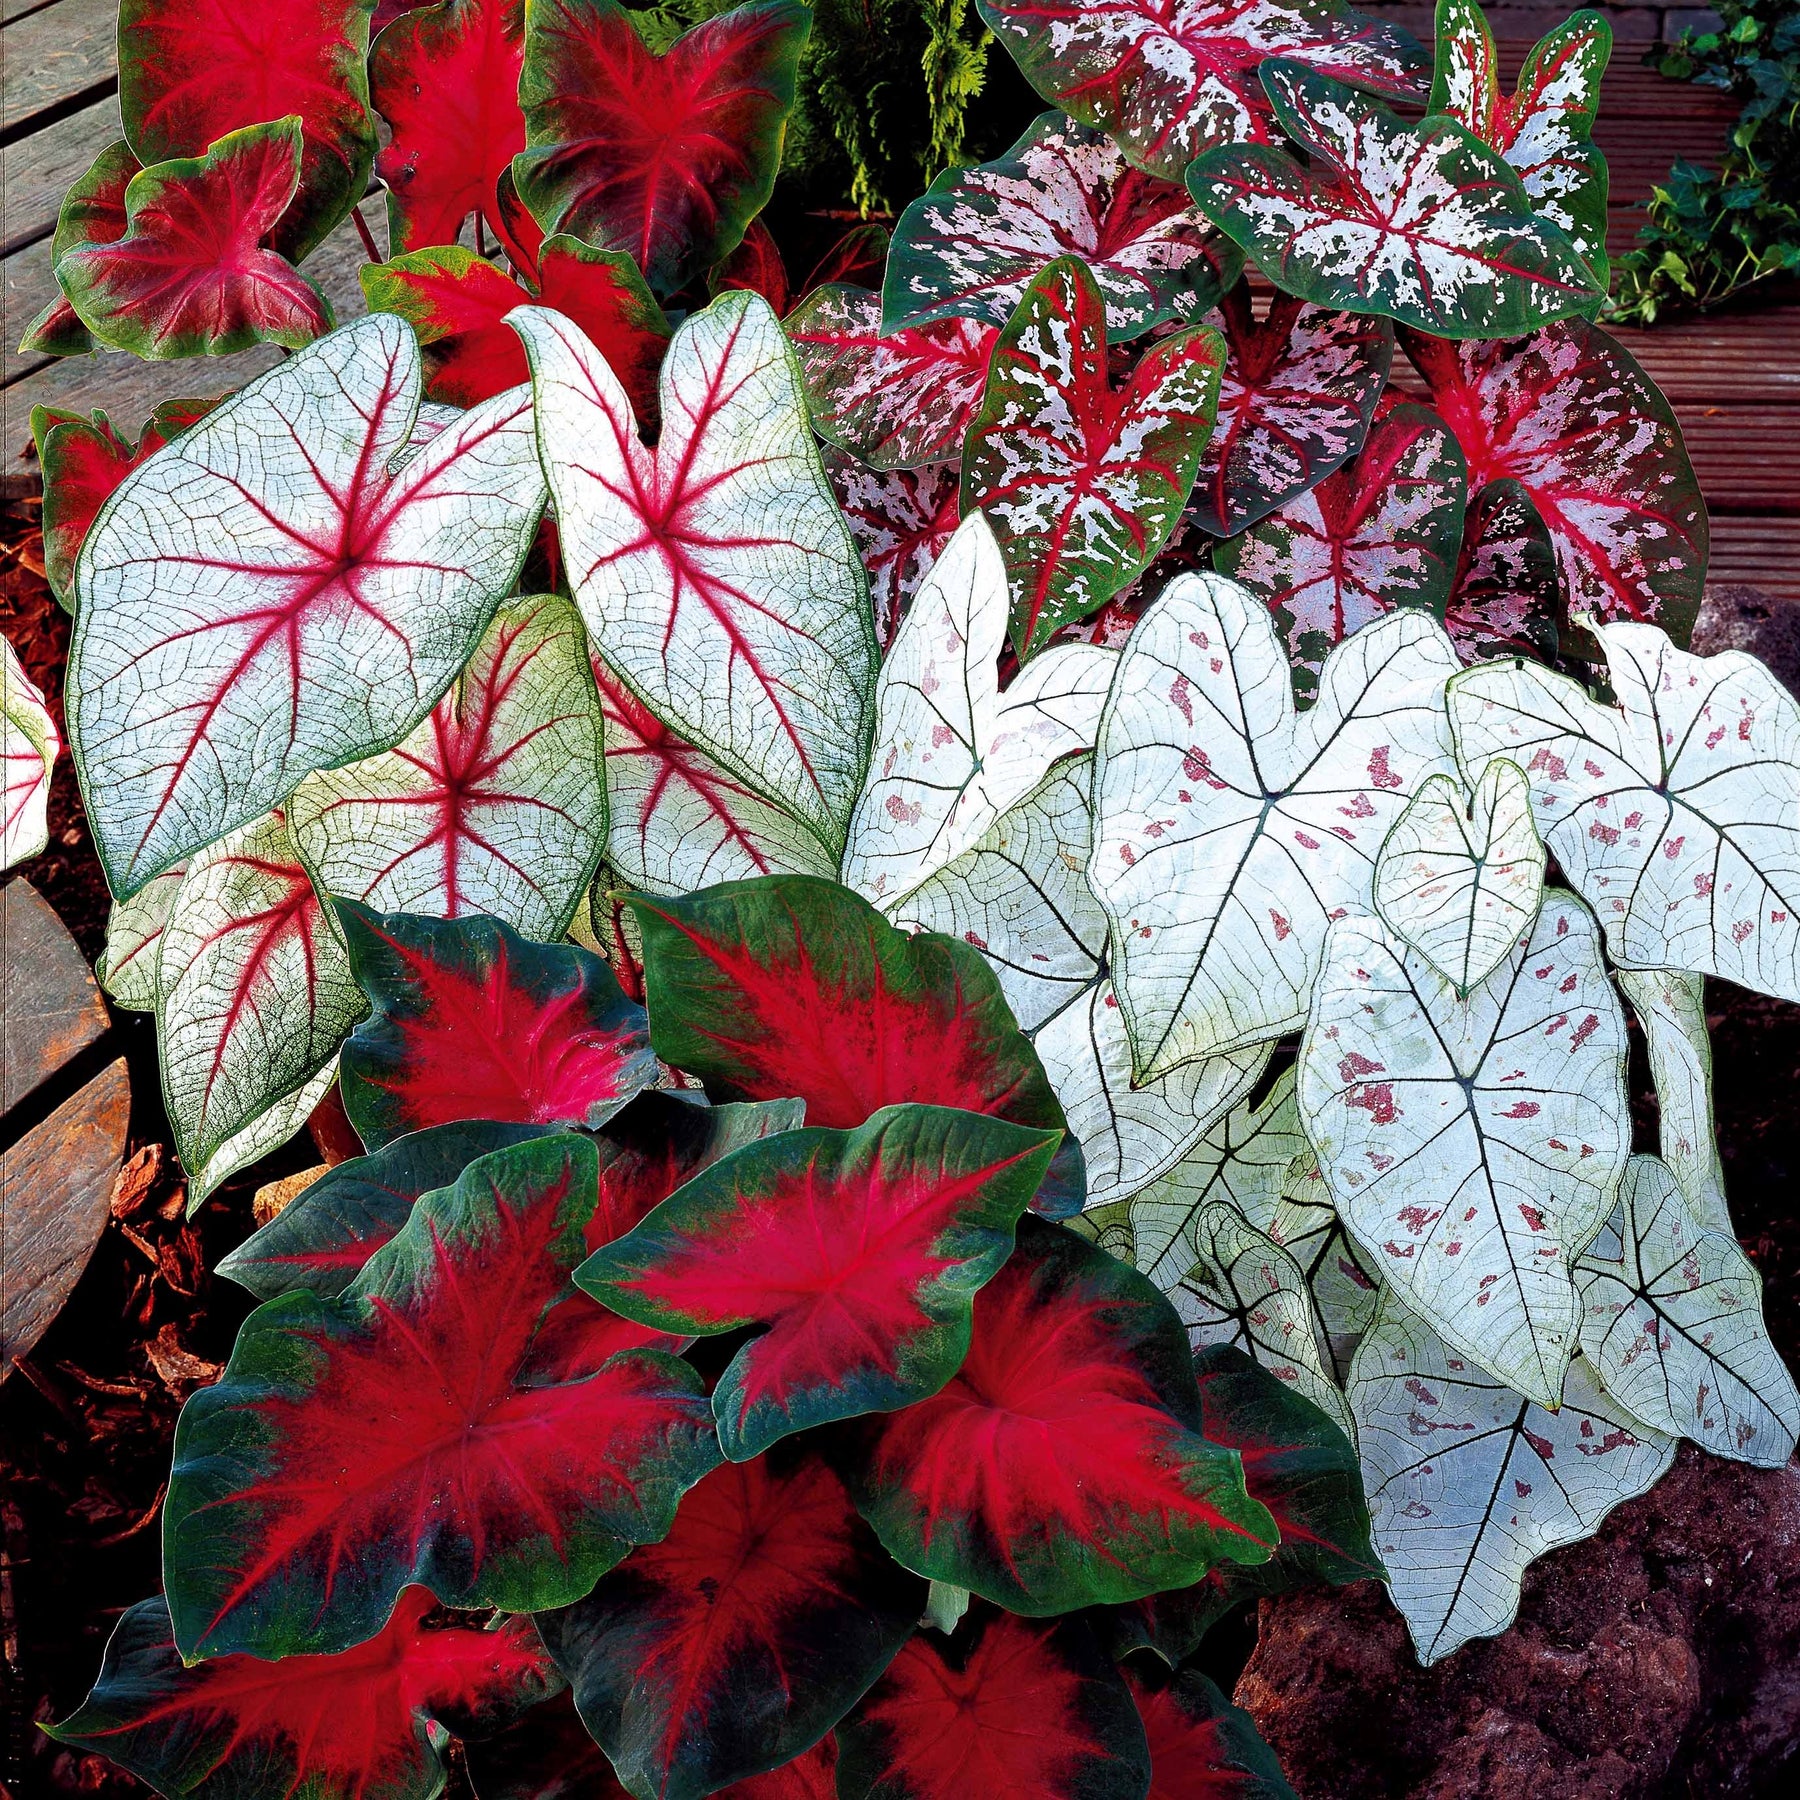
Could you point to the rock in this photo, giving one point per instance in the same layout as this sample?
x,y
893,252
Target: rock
x,y
1659,1661
1735,617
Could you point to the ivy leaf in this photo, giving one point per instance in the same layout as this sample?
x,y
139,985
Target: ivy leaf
x,y
92,212
715,572
1513,1098
127,967
1228,831
29,745
1083,485
977,237
1201,1746
1507,595
360,1444
1423,223
900,521
292,609
739,1640
667,158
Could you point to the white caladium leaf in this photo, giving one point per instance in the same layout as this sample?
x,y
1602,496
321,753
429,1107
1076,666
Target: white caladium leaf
x,y
1675,1329
1676,813
255,993
953,752
29,745
1469,1483
269,1130
127,967
263,597
1459,881
1344,1288
1423,223
900,519
1171,78
495,804
715,572
1473,1146
1230,830
977,236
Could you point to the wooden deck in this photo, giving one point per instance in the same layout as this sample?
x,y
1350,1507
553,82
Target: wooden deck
x,y
1734,380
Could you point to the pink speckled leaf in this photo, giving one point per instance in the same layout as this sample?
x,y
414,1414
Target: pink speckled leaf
x,y
900,519
1507,595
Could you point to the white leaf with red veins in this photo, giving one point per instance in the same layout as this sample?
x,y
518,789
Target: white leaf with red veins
x,y
1344,1287
1473,1147
1230,831
495,804
127,968
901,519
715,572
264,597
268,1131
29,743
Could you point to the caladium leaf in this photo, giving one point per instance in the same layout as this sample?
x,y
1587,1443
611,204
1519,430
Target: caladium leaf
x,y
1674,813
1569,415
1422,223
1062,1465
289,609
29,746
268,1131
858,1253
739,1640
1344,1287
92,212
127,967
495,804
972,242
191,71
1201,1746
1083,485
1513,1098
1469,1482
1675,1329
955,752
715,572
667,158
755,265
1459,881
1507,595
472,1021
358,1444
1295,400
1229,831
370,1724
895,401
1171,80
900,521
791,985
1380,533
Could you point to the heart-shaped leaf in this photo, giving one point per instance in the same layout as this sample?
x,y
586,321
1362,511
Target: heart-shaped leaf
x,y
358,1444
127,967
715,572
92,212
292,609
1513,1099
1423,223
667,158
1201,1746
735,1643
900,521
1507,595
472,1021
29,746
1083,485
1224,821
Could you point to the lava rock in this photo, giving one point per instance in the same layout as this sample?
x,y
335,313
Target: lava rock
x,y
1735,617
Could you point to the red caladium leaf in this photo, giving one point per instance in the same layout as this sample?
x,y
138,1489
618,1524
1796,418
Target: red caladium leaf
x,y
1201,1746
757,266
667,158
892,401
93,212
1007,1708
369,1724
188,277
1082,485
446,79
901,520
190,71
1507,595
1295,401
743,1637
792,985
360,1444
472,1021
1570,416
1062,1465
858,258
857,1252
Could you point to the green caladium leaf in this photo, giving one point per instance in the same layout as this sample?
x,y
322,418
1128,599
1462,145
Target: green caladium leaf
x,y
1423,223
127,967
29,745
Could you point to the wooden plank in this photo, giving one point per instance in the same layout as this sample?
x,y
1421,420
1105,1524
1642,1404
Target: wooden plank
x,y
40,168
1756,551
52,1006
53,55
1725,357
1747,457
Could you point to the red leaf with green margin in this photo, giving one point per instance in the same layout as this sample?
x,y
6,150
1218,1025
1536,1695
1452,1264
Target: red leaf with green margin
x,y
901,520
1295,401
410,1431
1063,1464
858,258
756,264
1381,532
1506,599
190,71
741,1638
1201,1746
446,79
667,158
472,1021
92,212
858,1252
1006,1709
1569,415
792,985
369,1724
1082,485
